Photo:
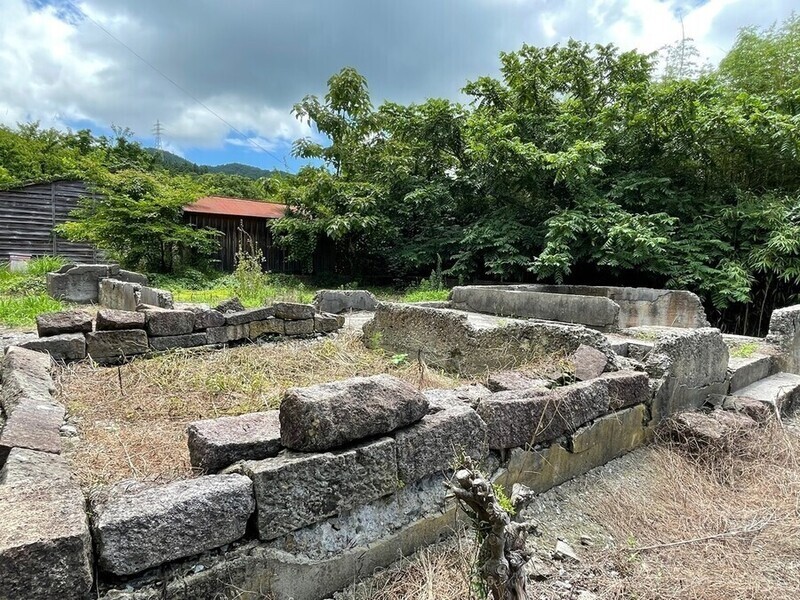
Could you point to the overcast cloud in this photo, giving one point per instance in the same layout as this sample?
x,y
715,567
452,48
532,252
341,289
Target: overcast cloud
x,y
250,60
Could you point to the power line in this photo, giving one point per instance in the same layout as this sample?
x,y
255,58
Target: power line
x,y
173,82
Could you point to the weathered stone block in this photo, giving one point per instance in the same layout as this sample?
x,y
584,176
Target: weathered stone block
x,y
438,440
77,283
271,326
109,319
123,295
67,346
327,323
34,424
103,345
230,305
207,317
591,446
217,443
297,489
330,415
45,548
29,362
168,322
339,301
626,388
19,386
502,381
471,343
466,395
292,311
528,417
189,340
304,327
588,362
66,321
217,335
512,301
249,315
688,366
138,530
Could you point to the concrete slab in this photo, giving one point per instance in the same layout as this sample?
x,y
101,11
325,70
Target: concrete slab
x,y
780,390
746,371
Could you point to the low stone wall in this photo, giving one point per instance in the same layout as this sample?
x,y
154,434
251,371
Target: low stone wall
x,y
344,478
601,307
117,335
124,295
80,283
457,342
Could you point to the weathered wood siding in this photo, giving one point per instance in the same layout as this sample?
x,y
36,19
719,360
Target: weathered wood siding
x,y
28,215
239,230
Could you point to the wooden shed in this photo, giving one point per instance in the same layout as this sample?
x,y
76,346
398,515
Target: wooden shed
x,y
240,220
28,215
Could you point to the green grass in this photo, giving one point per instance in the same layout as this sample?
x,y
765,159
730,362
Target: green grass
x,y
23,294
744,350
425,296
21,311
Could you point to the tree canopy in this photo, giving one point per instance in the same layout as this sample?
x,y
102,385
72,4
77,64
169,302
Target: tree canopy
x,y
577,164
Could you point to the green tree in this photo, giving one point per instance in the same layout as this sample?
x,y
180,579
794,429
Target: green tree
x,y
137,217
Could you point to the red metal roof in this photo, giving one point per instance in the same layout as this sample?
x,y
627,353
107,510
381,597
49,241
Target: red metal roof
x,y
236,207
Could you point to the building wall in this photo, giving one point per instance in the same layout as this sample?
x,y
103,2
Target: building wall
x,y
28,215
238,231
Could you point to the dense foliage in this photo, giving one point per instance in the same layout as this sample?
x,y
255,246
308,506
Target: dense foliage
x,y
578,164
137,216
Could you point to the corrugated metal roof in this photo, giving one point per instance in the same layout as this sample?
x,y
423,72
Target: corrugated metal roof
x,y
236,207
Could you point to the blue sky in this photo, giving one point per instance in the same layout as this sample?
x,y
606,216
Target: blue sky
x,y
222,76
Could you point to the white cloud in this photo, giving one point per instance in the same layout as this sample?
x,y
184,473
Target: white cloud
x,y
250,63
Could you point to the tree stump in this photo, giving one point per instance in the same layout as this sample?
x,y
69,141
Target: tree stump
x,y
502,555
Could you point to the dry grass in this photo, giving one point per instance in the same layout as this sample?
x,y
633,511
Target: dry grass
x,y
715,525
742,505
137,429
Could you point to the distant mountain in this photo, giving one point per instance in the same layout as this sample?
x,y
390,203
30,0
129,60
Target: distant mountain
x,y
176,164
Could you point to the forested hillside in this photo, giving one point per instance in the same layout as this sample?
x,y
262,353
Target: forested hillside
x,y
579,163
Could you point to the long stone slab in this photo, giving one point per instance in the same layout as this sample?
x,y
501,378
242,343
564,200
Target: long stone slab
x,y
112,345
472,343
163,322
330,415
168,342
295,489
25,361
217,443
34,424
139,530
593,445
594,311
65,346
438,441
65,321
525,418
45,547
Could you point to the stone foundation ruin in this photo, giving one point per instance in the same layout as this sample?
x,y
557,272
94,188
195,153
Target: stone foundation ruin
x,y
346,477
